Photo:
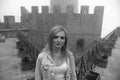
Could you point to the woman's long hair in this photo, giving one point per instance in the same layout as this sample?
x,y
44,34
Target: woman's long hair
x,y
52,34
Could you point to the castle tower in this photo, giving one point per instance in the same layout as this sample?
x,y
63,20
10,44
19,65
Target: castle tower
x,y
63,5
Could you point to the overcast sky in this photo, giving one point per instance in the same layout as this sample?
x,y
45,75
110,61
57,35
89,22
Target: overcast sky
x,y
111,18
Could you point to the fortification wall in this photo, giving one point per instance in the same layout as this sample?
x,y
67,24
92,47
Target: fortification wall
x,y
9,22
79,26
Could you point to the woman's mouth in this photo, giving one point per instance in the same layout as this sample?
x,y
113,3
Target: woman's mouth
x,y
59,44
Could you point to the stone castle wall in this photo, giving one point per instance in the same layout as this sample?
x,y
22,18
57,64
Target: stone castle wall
x,y
80,26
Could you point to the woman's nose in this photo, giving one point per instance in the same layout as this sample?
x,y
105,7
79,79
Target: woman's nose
x,y
59,39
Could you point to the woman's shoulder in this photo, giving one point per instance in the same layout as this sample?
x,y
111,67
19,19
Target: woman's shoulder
x,y
42,54
69,53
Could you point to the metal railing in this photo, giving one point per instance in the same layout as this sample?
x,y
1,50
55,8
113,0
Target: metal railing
x,y
32,48
29,48
87,61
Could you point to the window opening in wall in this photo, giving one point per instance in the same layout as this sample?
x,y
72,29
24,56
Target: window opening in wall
x,y
80,44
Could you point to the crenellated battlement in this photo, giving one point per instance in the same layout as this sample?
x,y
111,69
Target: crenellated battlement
x,y
70,9
71,18
98,10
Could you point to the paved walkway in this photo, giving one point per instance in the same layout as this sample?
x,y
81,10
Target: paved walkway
x,y
10,63
112,72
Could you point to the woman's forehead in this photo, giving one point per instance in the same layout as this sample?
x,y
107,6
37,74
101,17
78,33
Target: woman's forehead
x,y
61,33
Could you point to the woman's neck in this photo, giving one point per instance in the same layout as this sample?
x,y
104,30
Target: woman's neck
x,y
56,52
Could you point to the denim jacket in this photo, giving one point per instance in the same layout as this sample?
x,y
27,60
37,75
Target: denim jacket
x,y
44,61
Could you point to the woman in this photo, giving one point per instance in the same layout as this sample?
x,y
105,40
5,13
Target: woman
x,y
56,62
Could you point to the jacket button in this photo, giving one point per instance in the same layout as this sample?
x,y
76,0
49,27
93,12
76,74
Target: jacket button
x,y
52,73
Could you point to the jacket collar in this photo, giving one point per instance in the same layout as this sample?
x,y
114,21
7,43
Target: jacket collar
x,y
49,57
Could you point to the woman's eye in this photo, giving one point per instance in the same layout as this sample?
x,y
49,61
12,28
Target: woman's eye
x,y
62,37
56,37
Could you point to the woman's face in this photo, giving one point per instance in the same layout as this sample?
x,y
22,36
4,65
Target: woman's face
x,y
59,39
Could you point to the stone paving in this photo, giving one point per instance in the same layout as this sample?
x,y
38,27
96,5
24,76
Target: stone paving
x,y
10,63
10,68
112,72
